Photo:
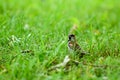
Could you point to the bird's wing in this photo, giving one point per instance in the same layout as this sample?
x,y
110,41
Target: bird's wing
x,y
79,51
77,47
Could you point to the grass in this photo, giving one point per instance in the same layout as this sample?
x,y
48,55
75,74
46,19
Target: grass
x,y
43,27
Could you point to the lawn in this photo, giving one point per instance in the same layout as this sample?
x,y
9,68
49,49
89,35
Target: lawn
x,y
42,27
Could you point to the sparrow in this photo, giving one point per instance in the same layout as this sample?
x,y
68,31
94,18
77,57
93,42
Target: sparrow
x,y
74,46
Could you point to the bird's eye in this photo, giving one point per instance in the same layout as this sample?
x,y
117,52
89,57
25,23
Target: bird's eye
x,y
69,37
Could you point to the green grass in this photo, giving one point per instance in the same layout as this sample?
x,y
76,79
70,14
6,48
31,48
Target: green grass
x,y
43,26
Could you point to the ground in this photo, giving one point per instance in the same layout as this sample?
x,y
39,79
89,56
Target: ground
x,y
41,27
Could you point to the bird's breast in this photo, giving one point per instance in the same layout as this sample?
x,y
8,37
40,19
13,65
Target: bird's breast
x,y
71,45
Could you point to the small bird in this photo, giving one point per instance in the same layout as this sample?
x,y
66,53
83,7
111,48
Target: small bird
x,y
72,45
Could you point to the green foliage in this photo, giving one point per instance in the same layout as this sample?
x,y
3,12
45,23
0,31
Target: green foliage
x,y
43,27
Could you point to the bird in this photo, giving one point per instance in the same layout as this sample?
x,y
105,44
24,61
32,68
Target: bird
x,y
74,46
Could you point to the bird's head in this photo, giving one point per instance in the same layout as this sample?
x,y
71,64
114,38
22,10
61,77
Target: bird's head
x,y
72,38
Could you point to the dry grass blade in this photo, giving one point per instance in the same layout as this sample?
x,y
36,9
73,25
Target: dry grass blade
x,y
63,64
3,69
74,27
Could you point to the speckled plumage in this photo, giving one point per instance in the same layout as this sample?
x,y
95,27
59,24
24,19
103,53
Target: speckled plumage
x,y
73,46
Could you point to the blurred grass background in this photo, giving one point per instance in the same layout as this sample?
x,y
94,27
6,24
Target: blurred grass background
x,y
43,26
